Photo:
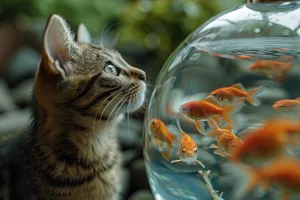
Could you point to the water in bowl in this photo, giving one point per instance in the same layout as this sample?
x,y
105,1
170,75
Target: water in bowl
x,y
195,71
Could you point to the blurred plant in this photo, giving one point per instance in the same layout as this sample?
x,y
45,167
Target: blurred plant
x,y
94,13
160,25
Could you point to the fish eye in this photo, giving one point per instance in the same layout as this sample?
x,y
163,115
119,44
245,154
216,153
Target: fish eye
x,y
183,109
111,69
183,150
153,123
195,150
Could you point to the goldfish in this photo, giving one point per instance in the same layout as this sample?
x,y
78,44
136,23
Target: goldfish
x,y
274,70
284,173
268,141
202,110
227,141
236,92
188,149
287,104
161,135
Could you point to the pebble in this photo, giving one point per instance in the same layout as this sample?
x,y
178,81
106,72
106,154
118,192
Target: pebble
x,y
22,94
6,100
22,66
141,195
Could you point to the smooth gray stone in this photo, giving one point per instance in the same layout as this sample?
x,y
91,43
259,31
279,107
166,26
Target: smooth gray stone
x,y
22,94
22,65
14,120
6,100
141,195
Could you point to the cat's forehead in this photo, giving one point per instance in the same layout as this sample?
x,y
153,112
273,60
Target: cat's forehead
x,y
98,50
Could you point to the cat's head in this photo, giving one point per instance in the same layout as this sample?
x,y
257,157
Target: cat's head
x,y
88,79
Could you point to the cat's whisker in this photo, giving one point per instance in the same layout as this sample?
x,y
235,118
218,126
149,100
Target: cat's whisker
x,y
120,92
119,102
95,119
129,102
105,32
114,41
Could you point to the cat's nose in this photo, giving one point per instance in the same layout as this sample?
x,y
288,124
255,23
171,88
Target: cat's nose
x,y
140,74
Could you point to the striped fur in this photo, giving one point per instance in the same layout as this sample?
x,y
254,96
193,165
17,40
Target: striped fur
x,y
73,151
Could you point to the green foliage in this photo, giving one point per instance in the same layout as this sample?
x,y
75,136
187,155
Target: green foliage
x,y
160,25
94,13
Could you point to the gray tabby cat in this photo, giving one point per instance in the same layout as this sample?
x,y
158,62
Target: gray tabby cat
x,y
81,91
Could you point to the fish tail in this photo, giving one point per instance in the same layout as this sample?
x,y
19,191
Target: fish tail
x,y
229,111
166,155
252,96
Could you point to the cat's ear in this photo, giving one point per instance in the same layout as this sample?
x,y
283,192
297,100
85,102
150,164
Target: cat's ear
x,y
58,46
83,35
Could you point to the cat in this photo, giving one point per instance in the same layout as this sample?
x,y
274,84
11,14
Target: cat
x,y
81,92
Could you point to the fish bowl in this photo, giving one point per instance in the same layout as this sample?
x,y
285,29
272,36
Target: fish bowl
x,y
223,117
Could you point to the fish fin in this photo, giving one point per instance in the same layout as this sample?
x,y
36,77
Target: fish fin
x,y
200,163
175,161
227,127
213,146
217,119
179,127
170,139
200,127
211,99
220,153
239,86
229,111
157,142
166,155
252,96
215,130
212,122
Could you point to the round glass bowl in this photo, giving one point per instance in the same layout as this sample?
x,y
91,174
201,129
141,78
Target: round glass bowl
x,y
251,54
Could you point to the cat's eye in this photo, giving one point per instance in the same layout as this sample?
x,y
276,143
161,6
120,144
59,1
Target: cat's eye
x,y
111,69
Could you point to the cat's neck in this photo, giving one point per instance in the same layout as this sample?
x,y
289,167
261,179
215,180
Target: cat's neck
x,y
86,135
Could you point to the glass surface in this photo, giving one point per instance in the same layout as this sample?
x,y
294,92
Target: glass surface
x,y
219,54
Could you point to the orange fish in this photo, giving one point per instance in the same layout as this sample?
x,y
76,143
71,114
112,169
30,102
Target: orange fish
x,y
274,70
287,104
245,57
284,173
236,92
227,141
161,135
203,110
188,149
268,141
